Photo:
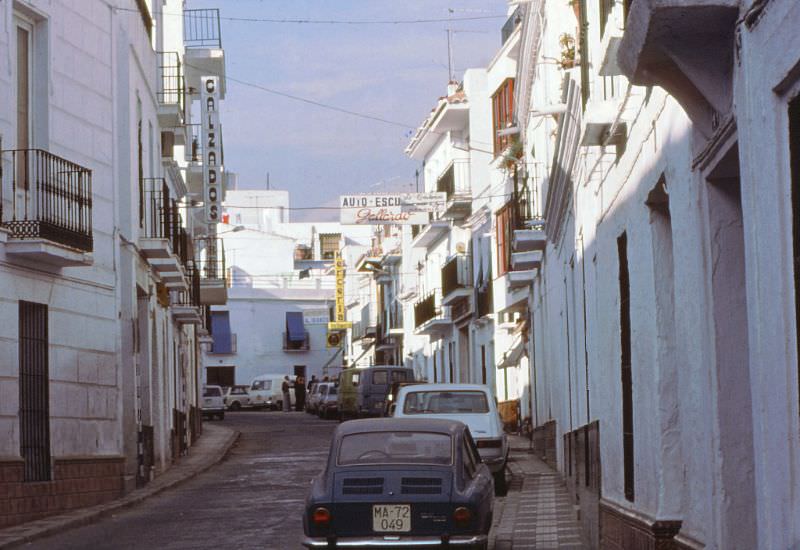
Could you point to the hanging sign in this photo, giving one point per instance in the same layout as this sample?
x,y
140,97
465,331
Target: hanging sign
x,y
338,265
212,152
394,208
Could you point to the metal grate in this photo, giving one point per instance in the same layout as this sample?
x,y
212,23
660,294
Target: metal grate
x,y
34,395
362,486
201,29
171,85
51,198
421,486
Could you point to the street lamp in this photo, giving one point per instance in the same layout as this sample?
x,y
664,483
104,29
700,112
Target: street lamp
x,y
207,236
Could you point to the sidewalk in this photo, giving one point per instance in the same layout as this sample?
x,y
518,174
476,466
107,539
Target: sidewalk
x,y
212,447
537,512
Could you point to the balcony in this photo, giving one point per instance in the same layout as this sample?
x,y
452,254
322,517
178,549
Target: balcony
x,y
524,261
46,208
163,240
210,261
185,304
527,240
431,234
202,39
455,183
296,345
393,318
171,90
511,25
686,47
456,283
430,317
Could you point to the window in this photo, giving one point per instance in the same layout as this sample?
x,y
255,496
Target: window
x,y
627,381
502,114
505,230
329,245
470,467
399,376
140,159
794,151
34,391
445,402
221,332
380,377
396,448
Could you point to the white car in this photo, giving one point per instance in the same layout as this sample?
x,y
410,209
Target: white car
x,y
237,397
213,404
472,404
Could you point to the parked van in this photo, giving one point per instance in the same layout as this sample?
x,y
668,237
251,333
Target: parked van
x,y
347,392
265,391
374,384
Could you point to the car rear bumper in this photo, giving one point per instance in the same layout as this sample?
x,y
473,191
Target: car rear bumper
x,y
394,542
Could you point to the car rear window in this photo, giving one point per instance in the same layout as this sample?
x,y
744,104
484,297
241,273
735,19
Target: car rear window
x,y
212,392
380,377
399,376
443,402
396,448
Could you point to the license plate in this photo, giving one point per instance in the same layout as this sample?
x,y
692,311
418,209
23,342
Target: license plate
x,y
391,518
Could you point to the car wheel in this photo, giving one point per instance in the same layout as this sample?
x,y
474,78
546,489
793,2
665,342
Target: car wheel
x,y
235,406
500,484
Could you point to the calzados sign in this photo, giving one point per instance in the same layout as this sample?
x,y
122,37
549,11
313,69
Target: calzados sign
x,y
397,208
212,155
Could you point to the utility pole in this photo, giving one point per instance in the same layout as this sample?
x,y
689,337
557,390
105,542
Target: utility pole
x,y
267,181
450,75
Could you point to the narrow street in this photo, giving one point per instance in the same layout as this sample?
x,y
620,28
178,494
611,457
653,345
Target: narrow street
x,y
252,499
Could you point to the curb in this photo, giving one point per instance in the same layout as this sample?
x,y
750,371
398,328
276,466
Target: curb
x,y
79,518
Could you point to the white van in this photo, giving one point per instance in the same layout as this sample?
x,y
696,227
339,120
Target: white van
x,y
265,391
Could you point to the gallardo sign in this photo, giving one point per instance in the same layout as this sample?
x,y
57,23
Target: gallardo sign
x,y
395,208
212,154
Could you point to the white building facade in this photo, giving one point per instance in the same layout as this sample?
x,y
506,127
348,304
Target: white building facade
x,y
100,289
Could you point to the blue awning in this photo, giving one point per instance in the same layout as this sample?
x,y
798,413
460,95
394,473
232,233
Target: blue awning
x,y
295,330
221,332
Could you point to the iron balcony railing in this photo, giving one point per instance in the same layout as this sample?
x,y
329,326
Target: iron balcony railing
x,y
162,219
201,29
191,296
296,345
48,198
428,308
210,258
171,89
511,23
456,274
194,152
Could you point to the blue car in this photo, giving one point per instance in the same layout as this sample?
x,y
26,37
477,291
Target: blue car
x,y
392,482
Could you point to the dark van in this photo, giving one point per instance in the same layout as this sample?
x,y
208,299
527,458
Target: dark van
x,y
373,387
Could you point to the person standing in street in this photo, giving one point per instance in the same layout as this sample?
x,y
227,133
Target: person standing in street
x,y
312,382
300,393
287,405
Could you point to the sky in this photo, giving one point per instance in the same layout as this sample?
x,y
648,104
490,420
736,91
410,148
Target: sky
x,y
395,72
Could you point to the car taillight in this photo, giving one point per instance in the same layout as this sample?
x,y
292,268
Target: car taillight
x,y
489,443
462,516
321,516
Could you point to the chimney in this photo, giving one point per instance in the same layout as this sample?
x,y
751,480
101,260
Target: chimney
x,y
452,87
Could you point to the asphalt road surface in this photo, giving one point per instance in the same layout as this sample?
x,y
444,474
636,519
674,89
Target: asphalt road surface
x,y
253,499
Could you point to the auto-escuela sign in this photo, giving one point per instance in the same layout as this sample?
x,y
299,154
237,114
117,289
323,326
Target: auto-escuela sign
x,y
392,208
212,154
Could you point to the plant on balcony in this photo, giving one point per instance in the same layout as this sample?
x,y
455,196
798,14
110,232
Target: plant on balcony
x,y
512,154
567,43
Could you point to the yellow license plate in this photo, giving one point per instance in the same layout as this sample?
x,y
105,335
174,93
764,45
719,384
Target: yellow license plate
x,y
391,518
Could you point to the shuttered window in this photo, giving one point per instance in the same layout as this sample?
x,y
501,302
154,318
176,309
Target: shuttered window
x,y
627,379
502,114
34,394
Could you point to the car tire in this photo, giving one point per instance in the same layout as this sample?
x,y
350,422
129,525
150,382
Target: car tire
x,y
500,483
235,406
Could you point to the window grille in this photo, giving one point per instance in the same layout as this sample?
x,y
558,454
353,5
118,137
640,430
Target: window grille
x,y
34,394
329,245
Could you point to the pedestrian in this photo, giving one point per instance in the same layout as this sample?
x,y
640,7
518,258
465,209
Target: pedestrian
x,y
299,393
312,382
287,406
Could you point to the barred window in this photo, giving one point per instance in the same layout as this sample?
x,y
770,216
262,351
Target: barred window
x,y
329,245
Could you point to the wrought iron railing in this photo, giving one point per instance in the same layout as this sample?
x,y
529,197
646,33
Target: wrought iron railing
x,y
191,296
194,150
162,219
49,198
428,308
511,24
455,274
455,180
171,90
210,258
201,28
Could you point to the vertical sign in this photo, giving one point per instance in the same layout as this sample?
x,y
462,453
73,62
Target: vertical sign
x,y
339,270
212,155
